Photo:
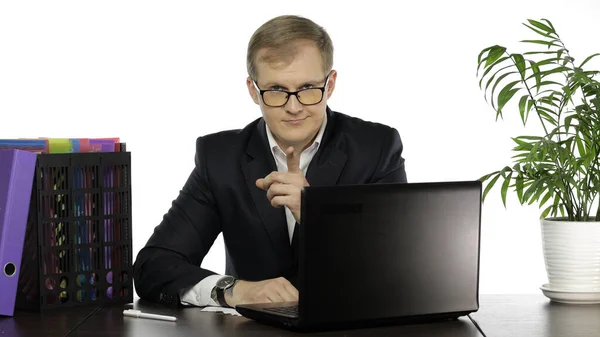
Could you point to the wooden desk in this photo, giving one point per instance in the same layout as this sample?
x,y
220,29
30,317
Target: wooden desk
x,y
109,321
535,316
499,316
55,322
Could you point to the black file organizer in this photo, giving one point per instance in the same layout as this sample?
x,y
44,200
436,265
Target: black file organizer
x,y
78,244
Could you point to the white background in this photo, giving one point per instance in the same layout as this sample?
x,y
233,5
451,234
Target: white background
x,y
159,74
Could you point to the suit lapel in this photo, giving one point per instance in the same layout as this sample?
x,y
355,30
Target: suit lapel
x,y
327,165
326,168
260,164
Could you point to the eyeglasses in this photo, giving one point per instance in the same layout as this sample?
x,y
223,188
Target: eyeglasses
x,y
277,98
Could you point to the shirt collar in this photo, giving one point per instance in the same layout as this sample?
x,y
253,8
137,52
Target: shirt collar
x,y
275,147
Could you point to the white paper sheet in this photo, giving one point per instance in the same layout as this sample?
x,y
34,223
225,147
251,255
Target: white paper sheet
x,y
226,311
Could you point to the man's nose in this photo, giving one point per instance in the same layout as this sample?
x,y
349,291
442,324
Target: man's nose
x,y
293,105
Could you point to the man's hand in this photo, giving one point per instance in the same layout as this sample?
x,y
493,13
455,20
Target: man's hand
x,y
284,188
267,291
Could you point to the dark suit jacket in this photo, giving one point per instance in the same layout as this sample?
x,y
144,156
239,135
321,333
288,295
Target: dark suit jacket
x,y
220,195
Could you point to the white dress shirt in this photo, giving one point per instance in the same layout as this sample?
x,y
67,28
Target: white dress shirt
x,y
199,294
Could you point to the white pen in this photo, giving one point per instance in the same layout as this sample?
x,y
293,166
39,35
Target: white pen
x,y
139,314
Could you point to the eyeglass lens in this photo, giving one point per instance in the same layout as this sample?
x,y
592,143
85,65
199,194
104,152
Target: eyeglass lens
x,y
278,98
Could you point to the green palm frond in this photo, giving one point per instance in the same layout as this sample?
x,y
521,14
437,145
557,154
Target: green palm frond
x,y
560,170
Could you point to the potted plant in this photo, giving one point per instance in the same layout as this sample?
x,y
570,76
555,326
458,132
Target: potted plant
x,y
559,169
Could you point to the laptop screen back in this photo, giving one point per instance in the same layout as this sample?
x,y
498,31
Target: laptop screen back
x,y
389,250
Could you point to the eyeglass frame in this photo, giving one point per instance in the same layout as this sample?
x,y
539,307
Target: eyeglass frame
x,y
292,93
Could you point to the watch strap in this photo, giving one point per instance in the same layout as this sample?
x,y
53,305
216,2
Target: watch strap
x,y
221,298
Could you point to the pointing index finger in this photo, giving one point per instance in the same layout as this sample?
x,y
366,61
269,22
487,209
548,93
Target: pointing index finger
x,y
293,160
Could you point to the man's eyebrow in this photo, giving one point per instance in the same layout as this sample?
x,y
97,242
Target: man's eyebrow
x,y
274,84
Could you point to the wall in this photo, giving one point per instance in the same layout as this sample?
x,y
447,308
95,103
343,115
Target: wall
x,y
158,74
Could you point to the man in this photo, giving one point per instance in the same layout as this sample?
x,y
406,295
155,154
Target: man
x,y
247,183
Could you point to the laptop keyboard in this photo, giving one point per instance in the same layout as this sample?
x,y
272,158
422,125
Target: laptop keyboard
x,y
288,311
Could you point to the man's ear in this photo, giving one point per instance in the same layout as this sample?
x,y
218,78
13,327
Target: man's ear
x,y
252,89
331,83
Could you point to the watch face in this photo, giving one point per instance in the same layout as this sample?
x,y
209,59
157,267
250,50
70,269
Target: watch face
x,y
225,282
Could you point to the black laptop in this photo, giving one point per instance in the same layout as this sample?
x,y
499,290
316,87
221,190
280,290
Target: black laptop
x,y
383,254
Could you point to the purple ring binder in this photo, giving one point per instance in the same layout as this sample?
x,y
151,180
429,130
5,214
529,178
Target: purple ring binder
x,y
17,169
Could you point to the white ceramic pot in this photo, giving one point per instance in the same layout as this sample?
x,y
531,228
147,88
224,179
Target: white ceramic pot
x,y
572,254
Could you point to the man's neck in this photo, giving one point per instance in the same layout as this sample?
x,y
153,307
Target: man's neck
x,y
298,147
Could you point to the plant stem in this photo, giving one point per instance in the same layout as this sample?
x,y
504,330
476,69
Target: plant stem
x,y
598,212
566,199
594,167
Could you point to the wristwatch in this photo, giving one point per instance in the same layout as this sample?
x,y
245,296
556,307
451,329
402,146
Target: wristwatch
x,y
218,292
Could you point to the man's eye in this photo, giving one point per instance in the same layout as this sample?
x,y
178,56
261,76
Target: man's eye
x,y
276,87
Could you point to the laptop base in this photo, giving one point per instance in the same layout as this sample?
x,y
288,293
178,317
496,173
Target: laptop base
x,y
257,313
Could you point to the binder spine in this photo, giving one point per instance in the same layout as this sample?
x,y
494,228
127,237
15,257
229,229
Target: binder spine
x,y
16,179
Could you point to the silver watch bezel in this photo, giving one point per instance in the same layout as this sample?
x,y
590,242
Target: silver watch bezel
x,y
230,282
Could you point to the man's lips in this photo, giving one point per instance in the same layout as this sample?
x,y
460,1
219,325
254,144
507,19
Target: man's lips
x,y
297,120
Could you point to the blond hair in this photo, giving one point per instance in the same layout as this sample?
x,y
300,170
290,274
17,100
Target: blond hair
x,y
280,36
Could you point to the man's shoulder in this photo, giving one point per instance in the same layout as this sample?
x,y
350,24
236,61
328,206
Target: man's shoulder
x,y
224,137
356,127
228,138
